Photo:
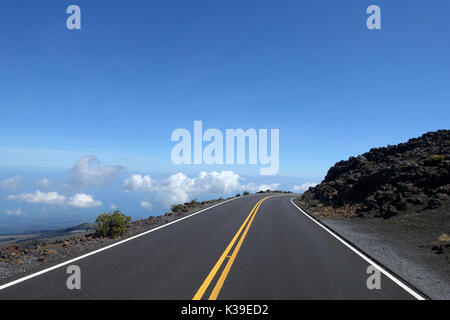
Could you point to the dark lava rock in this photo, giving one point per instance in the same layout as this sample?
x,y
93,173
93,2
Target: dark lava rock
x,y
385,182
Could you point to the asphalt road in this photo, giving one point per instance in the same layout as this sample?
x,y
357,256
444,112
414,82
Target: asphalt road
x,y
227,252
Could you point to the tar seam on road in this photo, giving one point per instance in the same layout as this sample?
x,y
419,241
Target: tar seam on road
x,y
242,232
12,283
362,255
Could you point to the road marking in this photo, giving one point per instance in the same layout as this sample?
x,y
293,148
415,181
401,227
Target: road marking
x,y
242,231
362,255
7,285
216,267
223,276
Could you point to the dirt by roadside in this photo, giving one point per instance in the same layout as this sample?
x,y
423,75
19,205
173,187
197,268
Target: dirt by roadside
x,y
415,246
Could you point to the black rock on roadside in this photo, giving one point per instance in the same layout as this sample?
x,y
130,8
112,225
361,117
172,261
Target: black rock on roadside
x,y
385,182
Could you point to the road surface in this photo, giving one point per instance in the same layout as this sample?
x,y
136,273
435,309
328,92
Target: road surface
x,y
253,247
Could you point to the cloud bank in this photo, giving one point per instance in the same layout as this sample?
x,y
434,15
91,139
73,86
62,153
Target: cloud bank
x,y
83,200
88,172
146,205
12,183
304,187
80,200
52,198
15,212
44,183
179,188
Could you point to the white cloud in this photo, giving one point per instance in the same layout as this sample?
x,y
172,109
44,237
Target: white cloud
x,y
179,188
113,207
80,200
87,172
146,205
40,197
12,183
218,182
138,182
15,212
304,187
252,187
83,200
44,183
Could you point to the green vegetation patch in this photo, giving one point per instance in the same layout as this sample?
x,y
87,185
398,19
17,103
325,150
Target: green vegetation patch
x,y
112,225
434,160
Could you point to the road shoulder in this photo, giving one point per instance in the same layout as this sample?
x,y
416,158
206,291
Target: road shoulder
x,y
404,251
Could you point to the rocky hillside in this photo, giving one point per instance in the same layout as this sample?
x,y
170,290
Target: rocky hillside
x,y
409,177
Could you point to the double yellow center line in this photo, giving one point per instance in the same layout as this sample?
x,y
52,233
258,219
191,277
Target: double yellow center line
x,y
242,233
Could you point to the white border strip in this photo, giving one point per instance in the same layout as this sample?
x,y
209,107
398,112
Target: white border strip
x,y
363,256
10,284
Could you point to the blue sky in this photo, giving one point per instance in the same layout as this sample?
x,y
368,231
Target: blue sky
x,y
140,69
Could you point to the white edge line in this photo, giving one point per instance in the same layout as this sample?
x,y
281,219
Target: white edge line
x,y
10,284
363,256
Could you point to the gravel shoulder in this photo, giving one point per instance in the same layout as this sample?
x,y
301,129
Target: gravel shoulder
x,y
411,246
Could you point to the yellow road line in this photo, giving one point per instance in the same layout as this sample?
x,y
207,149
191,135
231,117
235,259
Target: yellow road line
x,y
216,267
223,276
225,254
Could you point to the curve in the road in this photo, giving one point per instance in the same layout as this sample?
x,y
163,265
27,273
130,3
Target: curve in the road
x,y
278,251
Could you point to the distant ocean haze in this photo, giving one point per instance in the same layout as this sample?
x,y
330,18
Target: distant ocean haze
x,y
17,216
